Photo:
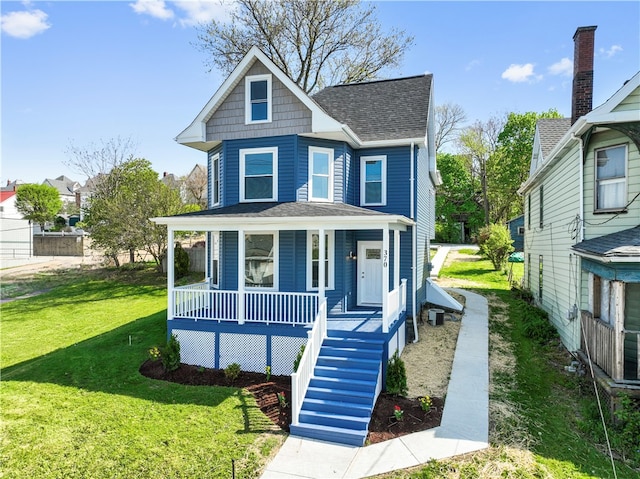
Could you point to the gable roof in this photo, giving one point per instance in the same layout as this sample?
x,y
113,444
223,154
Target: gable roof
x,y
5,195
625,243
64,185
356,113
604,115
381,110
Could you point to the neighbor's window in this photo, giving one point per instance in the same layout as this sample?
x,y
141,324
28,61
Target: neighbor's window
x,y
373,172
540,278
215,180
541,207
528,266
313,260
259,174
258,99
604,304
320,174
260,259
215,259
529,211
520,230
611,178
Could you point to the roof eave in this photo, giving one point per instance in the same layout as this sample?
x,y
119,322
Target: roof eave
x,y
605,258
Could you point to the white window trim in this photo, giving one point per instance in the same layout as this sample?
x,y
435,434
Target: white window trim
x,y
247,98
331,257
363,162
597,182
276,256
215,247
215,159
250,151
329,152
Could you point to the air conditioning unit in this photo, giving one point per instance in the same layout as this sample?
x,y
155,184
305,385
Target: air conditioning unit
x,y
436,317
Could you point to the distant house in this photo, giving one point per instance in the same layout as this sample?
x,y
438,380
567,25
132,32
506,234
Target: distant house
x,y
582,222
516,229
319,221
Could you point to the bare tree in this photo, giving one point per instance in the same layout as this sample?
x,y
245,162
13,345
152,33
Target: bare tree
x,y
195,184
97,159
478,143
449,118
315,42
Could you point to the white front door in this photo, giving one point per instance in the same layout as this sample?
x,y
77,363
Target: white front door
x,y
369,273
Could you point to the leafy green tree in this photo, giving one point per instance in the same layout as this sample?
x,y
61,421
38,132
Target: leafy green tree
x,y
314,42
38,203
120,206
508,166
458,200
496,244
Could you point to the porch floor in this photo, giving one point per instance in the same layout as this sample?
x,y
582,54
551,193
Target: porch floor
x,y
366,320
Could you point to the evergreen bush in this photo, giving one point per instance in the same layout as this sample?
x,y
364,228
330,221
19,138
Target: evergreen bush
x,y
170,354
396,376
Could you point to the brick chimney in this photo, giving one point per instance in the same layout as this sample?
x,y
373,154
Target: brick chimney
x,y
582,94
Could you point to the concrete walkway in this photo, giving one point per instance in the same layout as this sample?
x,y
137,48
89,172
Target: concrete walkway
x,y
464,427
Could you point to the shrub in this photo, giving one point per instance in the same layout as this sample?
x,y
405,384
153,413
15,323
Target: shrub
x,y
495,244
170,354
536,324
232,371
628,429
296,362
181,261
396,376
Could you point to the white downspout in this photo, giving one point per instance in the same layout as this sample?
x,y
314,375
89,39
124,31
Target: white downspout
x,y
414,244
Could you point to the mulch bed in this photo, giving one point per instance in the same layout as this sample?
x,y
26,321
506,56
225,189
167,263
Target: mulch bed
x,y
383,425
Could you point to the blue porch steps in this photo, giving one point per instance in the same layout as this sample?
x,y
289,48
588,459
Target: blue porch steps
x,y
342,392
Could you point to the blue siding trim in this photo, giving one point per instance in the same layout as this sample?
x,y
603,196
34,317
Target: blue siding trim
x,y
626,272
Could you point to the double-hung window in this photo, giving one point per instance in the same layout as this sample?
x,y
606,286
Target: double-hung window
x,y
257,99
320,174
215,180
214,273
259,174
373,180
260,260
611,178
313,260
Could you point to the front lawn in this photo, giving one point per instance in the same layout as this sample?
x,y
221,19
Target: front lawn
x,y
74,404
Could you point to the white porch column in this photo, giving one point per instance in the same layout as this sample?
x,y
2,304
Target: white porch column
x,y
240,309
396,259
321,270
170,273
385,279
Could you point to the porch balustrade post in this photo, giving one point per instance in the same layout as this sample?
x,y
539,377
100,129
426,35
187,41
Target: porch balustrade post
x,y
170,273
241,253
321,266
385,279
396,258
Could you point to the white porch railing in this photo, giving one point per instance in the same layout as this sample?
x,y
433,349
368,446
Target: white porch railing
x,y
397,303
198,302
302,377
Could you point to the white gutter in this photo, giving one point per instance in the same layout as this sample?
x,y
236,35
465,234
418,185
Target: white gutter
x,y
414,242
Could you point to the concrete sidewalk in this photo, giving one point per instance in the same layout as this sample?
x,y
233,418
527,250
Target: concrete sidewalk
x,y
464,427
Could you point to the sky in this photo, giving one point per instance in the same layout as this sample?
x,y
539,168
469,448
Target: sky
x,y
81,73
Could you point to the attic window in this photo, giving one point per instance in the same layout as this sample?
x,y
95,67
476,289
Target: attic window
x,y
258,99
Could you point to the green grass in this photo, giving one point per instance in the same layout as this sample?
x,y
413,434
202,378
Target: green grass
x,y
74,404
547,400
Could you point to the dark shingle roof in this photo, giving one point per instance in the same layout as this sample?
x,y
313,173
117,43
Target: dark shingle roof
x,y
381,110
621,243
551,131
280,210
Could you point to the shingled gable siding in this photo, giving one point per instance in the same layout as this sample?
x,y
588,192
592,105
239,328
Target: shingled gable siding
x,y
289,115
596,225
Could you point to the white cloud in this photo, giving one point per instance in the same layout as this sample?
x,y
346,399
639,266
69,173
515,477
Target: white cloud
x,y
154,8
564,67
24,24
472,64
520,73
202,11
611,51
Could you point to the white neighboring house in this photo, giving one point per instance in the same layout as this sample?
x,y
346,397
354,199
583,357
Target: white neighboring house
x,y
68,190
582,225
15,232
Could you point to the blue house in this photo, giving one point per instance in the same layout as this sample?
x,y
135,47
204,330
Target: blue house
x,y
321,211
516,229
